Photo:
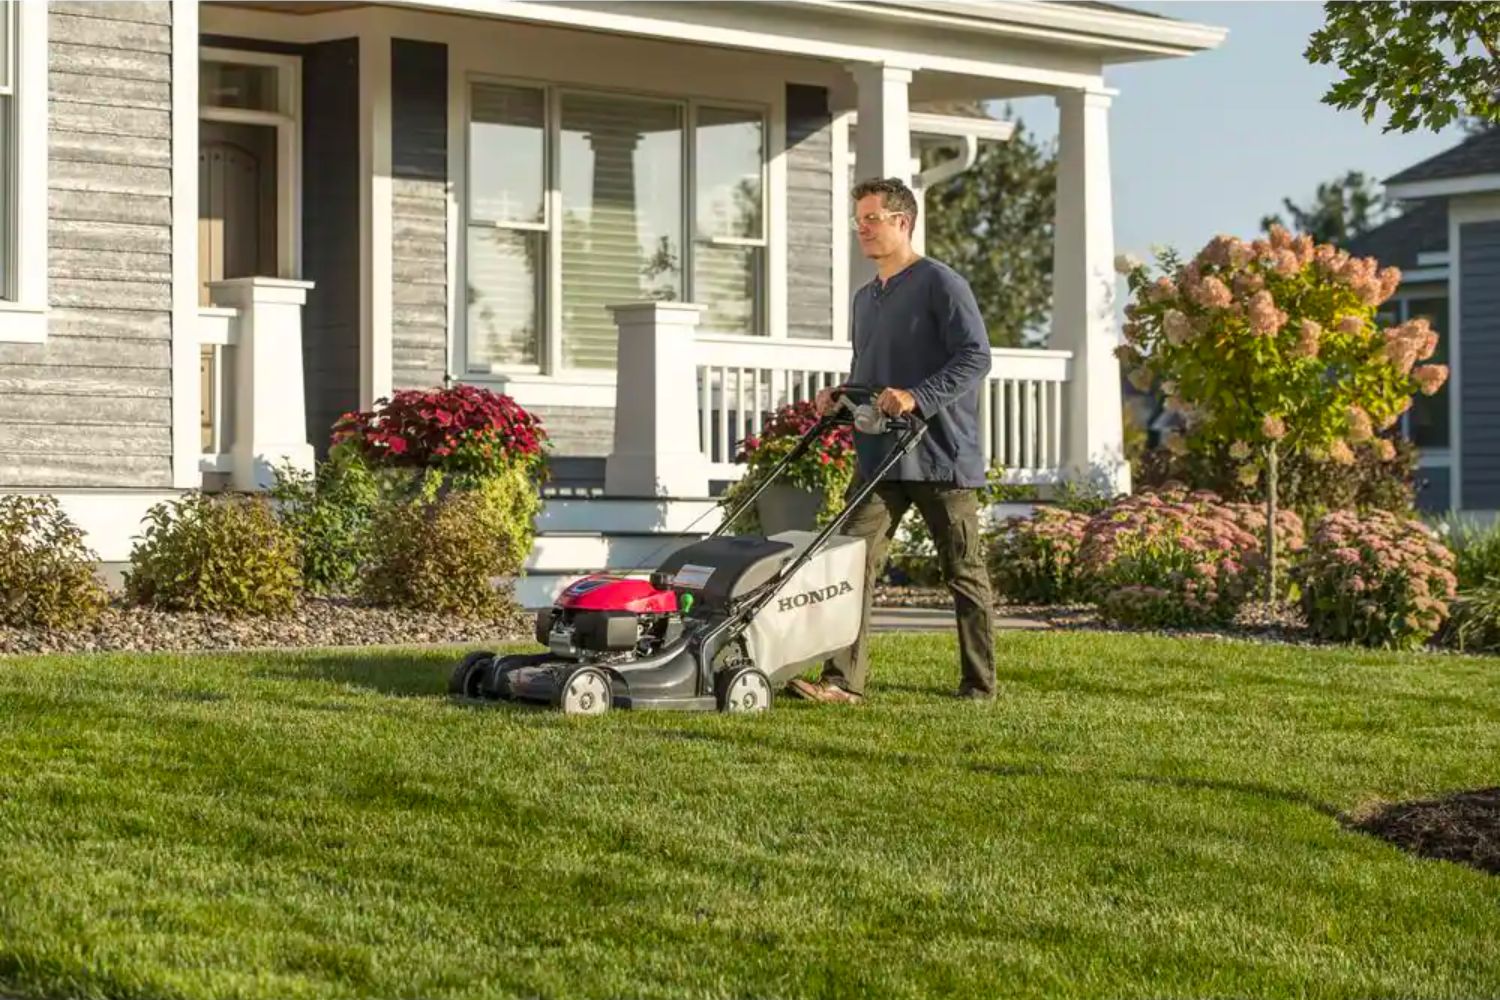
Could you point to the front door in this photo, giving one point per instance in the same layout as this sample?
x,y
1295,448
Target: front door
x,y
237,203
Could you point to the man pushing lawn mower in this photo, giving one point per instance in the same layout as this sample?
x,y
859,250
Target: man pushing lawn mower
x,y
917,325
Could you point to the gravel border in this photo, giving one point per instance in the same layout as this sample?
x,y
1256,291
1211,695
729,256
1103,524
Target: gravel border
x,y
316,622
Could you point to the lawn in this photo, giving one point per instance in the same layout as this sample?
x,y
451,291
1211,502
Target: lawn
x,y
1136,816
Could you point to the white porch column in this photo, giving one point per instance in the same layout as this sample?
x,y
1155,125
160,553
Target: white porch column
x,y
270,409
656,451
1083,291
882,146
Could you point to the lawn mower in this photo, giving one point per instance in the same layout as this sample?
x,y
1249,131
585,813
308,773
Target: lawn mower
x,y
720,625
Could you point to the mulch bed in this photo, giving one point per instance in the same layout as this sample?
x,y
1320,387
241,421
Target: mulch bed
x,y
1463,827
315,622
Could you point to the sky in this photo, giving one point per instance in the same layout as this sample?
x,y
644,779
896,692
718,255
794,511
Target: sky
x,y
1212,142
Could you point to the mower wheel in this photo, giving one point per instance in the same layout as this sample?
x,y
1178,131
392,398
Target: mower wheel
x,y
745,690
467,679
584,691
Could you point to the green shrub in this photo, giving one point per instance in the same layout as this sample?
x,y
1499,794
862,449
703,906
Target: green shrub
x,y
1311,488
1473,624
1475,544
441,550
1033,560
47,574
1375,579
329,512
226,554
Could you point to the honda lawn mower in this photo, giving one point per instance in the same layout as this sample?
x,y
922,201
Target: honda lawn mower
x,y
720,625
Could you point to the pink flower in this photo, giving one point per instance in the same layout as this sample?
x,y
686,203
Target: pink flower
x,y
1352,325
1247,283
1239,451
1430,378
1280,238
1359,425
1177,327
1286,263
1273,427
1390,280
1384,449
1340,452
1162,290
1307,339
1265,318
1211,293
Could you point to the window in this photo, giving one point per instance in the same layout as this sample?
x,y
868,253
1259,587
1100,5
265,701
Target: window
x,y
1427,424
23,170
628,198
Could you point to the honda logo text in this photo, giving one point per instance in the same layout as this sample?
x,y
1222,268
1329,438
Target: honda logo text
x,y
814,596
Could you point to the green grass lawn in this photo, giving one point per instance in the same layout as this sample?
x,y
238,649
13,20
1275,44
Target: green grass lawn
x,y
1128,820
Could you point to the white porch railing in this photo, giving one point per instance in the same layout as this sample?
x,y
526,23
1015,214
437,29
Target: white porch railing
x,y
218,332
742,381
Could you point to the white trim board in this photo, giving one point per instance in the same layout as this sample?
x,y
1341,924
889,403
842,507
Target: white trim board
x,y
23,319
186,340
109,519
1446,187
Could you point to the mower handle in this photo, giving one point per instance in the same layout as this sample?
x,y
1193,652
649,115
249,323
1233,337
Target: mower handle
x,y
850,397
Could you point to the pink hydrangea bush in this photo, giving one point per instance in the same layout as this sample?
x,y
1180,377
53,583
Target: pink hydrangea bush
x,y
1033,560
1169,559
1376,579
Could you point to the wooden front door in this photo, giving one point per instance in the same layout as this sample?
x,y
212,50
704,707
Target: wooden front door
x,y
237,202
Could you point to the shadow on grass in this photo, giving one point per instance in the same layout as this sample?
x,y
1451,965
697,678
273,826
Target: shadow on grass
x,y
412,674
1463,827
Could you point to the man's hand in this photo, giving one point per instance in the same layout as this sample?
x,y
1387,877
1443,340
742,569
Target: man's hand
x,y
824,402
896,402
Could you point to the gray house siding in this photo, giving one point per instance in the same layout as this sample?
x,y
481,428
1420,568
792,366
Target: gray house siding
x,y
330,234
810,212
419,213
1479,349
92,405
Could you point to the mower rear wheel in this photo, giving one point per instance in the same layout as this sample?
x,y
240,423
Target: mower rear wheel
x,y
467,679
584,691
745,690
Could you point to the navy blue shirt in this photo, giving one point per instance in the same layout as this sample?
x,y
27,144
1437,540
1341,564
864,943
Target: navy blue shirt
x,y
922,331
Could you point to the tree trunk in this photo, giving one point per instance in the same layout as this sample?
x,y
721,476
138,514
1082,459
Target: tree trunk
x,y
1271,523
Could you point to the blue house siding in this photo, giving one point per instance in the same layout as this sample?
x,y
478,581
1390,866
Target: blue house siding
x,y
1479,347
1434,490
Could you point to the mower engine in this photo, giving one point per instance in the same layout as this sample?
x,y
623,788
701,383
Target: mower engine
x,y
605,618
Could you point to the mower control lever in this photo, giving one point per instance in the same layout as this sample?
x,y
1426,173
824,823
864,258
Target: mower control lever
x,y
866,417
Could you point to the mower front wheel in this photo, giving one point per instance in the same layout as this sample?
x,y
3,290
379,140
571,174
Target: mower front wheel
x,y
584,691
745,690
467,679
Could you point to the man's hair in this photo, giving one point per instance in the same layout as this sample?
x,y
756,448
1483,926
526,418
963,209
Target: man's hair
x,y
894,195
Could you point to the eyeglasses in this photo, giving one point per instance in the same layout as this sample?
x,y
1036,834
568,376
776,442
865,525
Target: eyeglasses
x,y
872,219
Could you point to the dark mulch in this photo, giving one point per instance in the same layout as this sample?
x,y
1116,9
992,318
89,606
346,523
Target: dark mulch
x,y
1463,827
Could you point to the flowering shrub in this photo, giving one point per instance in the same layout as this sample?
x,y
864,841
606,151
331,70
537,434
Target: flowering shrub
x,y
1168,559
1376,579
47,574
1033,560
826,468
463,430
1272,347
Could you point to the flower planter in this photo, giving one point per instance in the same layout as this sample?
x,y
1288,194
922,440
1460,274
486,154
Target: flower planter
x,y
788,508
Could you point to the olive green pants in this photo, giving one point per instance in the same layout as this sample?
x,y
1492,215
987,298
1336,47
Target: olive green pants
x,y
952,516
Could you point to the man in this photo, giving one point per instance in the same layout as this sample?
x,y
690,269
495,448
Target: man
x,y
917,331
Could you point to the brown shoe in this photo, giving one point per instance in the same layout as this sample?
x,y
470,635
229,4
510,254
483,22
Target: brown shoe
x,y
822,691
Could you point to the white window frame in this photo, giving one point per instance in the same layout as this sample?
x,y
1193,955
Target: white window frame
x,y
286,121
549,352
23,307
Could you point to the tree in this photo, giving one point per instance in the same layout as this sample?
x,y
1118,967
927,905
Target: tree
x,y
993,223
1272,346
1430,63
1342,209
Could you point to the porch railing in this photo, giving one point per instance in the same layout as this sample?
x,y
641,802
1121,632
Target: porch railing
x,y
742,381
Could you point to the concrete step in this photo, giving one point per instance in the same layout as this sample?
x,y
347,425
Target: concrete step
x,y
589,551
628,514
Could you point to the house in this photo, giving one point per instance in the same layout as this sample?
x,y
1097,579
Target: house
x,y
1447,245
229,222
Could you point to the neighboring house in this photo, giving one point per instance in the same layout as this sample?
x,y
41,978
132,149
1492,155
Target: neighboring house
x,y
227,223
1447,245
